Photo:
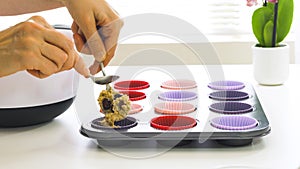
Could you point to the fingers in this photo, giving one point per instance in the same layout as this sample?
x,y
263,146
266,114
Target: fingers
x,y
40,20
41,66
110,35
95,67
94,40
80,44
58,39
55,54
88,40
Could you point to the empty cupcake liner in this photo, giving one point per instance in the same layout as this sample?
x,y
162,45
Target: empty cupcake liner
x,y
131,85
231,107
226,85
135,108
234,122
174,108
177,96
126,123
179,84
134,95
229,95
173,122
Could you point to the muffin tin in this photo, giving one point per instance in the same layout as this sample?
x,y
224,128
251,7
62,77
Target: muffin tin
x,y
225,111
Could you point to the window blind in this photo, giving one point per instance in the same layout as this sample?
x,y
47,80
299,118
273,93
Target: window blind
x,y
211,16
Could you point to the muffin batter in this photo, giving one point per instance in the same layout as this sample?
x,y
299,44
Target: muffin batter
x,y
114,105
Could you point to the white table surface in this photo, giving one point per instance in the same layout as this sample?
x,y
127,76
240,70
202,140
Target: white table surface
x,y
59,144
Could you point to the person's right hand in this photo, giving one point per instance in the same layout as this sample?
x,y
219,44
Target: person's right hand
x,y
35,46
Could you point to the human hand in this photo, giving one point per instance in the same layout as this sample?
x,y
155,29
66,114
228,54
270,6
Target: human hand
x,y
35,46
89,15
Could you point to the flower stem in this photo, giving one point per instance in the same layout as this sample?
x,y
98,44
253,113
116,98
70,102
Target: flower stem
x,y
265,2
275,24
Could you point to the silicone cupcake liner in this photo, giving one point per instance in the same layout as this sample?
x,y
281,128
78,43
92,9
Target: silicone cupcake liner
x,y
226,85
135,108
234,122
179,84
229,95
173,122
131,85
174,108
134,95
126,123
231,107
177,96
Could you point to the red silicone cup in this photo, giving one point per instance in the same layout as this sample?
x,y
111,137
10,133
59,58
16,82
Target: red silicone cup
x,y
131,85
174,108
134,95
173,122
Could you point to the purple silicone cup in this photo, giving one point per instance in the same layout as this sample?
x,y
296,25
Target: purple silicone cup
x,y
234,123
231,107
177,96
124,124
226,85
229,95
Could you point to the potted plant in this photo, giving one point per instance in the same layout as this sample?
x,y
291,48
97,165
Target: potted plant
x,y
270,24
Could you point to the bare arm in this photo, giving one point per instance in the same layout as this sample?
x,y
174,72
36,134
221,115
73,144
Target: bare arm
x,y
16,7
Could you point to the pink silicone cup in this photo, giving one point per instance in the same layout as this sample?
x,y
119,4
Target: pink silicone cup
x,y
234,122
179,84
174,108
135,108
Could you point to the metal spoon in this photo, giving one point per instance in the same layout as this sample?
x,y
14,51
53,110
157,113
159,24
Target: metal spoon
x,y
104,80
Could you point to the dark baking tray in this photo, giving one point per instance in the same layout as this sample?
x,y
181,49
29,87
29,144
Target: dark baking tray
x,y
202,131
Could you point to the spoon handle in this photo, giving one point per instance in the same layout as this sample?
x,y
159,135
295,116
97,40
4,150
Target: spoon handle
x,y
102,68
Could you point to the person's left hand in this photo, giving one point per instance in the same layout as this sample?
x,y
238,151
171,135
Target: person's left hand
x,y
89,15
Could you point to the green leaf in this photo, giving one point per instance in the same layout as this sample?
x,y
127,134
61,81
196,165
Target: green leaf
x,y
260,18
268,31
285,18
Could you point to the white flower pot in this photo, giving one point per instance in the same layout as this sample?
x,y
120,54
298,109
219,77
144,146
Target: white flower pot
x,y
271,65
